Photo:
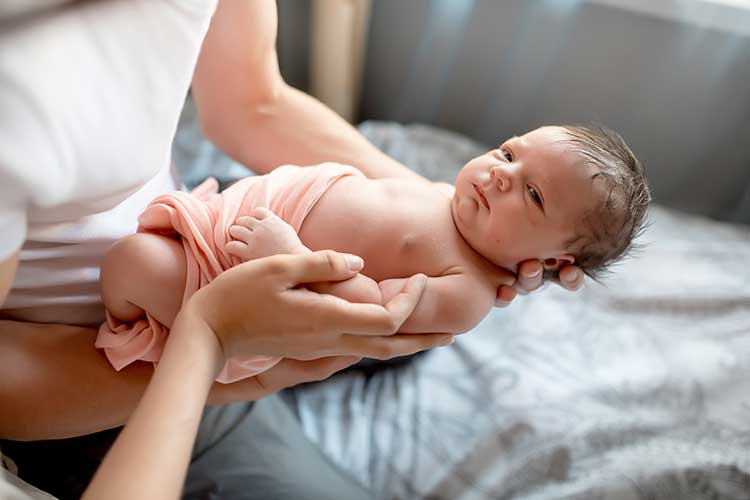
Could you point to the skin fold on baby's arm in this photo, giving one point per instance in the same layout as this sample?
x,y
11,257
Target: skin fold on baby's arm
x,y
451,303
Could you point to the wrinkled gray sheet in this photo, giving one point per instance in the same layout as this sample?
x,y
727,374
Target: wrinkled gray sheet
x,y
638,390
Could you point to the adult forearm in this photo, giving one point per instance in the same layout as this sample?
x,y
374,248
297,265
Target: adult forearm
x,y
293,127
55,384
165,422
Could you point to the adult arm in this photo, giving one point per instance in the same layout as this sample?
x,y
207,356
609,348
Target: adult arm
x,y
150,457
251,114
149,460
54,384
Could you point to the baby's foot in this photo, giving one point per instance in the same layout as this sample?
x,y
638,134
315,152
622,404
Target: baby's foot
x,y
261,235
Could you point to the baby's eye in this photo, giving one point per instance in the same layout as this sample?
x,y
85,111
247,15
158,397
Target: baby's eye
x,y
506,154
535,196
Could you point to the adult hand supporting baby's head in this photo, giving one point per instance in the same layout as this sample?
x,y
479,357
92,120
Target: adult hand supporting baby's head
x,y
530,278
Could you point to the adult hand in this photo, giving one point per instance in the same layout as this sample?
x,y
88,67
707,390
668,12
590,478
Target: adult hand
x,y
287,373
530,277
259,308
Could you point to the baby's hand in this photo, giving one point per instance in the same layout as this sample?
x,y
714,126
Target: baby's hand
x,y
261,235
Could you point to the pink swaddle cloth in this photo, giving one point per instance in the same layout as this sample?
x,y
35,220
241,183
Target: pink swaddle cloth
x,y
202,219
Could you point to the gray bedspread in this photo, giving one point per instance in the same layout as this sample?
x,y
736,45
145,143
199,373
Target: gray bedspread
x,y
636,390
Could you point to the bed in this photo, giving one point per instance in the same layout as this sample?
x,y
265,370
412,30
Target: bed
x,y
639,389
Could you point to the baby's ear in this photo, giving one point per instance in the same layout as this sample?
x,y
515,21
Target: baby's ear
x,y
555,263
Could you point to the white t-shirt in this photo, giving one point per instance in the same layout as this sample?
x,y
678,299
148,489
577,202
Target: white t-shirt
x,y
89,103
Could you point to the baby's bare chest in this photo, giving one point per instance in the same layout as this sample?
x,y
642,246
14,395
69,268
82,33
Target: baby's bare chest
x,y
400,228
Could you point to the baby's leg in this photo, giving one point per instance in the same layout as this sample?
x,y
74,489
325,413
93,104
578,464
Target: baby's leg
x,y
144,272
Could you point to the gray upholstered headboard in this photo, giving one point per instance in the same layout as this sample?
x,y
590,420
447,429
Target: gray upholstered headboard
x,y
679,92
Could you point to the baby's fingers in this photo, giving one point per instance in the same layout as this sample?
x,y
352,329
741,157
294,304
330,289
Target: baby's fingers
x,y
236,248
240,233
261,213
247,222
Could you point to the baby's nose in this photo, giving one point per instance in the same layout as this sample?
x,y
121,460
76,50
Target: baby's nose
x,y
501,178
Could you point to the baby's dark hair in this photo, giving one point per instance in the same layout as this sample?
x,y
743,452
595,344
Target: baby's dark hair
x,y
606,232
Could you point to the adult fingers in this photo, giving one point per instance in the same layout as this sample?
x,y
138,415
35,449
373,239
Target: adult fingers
x,y
402,304
571,277
394,346
529,276
505,295
372,319
285,373
333,314
325,265
290,372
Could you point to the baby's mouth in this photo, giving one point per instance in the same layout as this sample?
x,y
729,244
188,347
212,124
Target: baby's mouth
x,y
482,197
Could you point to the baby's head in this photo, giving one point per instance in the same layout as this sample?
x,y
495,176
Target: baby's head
x,y
560,194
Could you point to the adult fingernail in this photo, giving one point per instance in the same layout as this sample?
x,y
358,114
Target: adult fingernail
x,y
447,341
501,303
534,274
569,278
355,263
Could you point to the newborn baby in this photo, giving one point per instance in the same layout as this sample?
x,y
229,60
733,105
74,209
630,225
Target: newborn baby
x,y
557,194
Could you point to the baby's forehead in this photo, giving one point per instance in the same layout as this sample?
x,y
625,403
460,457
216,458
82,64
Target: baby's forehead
x,y
550,143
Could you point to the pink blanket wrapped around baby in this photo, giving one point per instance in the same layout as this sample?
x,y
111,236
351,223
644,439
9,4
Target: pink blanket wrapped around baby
x,y
202,220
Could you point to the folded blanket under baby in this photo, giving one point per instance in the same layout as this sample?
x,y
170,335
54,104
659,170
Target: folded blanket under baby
x,y
202,219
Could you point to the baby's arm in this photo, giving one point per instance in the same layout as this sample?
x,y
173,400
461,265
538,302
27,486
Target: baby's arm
x,y
264,233
453,303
